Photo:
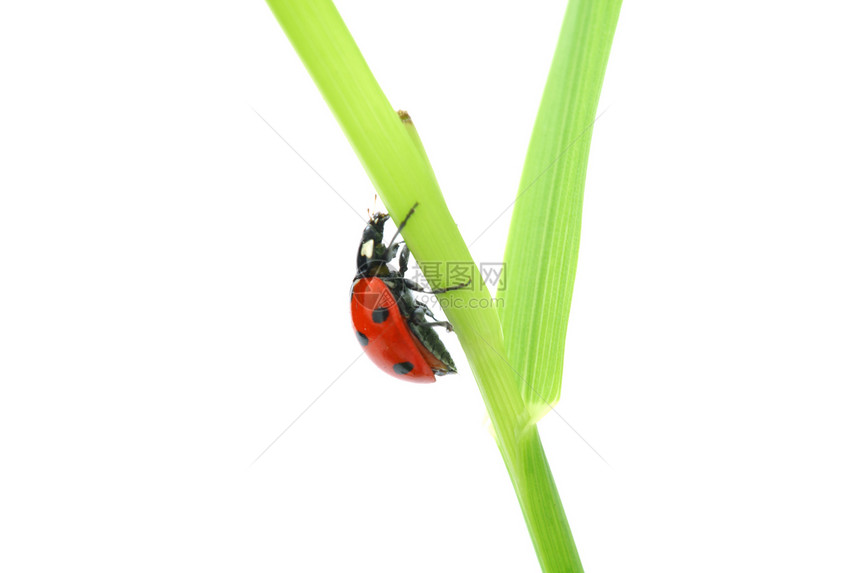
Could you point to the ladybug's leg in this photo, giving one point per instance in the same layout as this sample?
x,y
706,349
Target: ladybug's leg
x,y
392,250
404,259
392,247
425,309
448,326
412,285
421,310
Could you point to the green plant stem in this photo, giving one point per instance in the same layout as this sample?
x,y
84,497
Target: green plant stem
x,y
402,176
543,243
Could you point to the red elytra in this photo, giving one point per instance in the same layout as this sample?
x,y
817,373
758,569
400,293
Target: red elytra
x,y
387,339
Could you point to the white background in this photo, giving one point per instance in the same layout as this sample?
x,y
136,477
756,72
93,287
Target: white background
x,y
173,293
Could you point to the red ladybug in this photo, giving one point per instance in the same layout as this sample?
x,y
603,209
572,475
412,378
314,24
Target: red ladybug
x,y
389,323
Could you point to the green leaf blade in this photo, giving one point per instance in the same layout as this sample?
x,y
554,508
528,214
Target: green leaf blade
x,y
543,242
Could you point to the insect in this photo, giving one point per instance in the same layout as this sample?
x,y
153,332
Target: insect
x,y
389,323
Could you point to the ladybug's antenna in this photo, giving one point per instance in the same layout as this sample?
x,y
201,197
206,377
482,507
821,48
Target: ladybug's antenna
x,y
399,228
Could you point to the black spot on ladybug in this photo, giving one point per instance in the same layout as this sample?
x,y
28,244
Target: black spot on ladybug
x,y
403,367
380,315
362,339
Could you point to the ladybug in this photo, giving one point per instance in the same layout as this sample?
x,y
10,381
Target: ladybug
x,y
389,323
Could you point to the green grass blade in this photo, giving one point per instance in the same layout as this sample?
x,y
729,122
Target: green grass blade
x,y
543,242
397,165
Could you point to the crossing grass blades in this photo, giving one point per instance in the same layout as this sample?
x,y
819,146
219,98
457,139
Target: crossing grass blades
x,y
515,351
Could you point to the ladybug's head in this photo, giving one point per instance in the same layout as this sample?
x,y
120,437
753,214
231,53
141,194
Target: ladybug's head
x,y
373,254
